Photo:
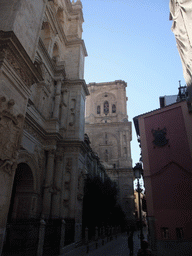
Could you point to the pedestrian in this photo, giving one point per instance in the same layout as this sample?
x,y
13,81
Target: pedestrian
x,y
130,242
144,251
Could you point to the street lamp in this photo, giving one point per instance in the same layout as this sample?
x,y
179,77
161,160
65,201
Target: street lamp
x,y
138,171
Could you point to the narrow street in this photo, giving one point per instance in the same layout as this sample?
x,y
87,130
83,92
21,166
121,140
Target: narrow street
x,y
116,247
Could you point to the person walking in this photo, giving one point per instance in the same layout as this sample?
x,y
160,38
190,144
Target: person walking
x,y
144,251
130,243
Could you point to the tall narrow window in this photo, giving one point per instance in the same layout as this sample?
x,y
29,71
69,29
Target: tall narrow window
x,y
106,155
125,151
106,107
179,233
98,109
113,108
106,138
165,233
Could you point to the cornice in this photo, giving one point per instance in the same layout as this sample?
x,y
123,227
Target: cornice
x,y
105,125
116,82
78,82
78,42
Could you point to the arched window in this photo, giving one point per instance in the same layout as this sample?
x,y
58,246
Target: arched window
x,y
106,107
113,108
106,138
98,109
46,34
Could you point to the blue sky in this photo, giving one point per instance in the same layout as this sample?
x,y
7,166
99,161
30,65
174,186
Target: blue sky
x,y
131,40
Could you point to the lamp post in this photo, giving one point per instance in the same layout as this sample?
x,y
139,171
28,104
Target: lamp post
x,y
138,171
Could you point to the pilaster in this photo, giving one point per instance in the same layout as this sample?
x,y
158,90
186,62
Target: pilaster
x,y
57,100
57,185
48,187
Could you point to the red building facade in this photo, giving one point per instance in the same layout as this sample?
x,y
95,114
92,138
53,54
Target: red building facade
x,y
166,143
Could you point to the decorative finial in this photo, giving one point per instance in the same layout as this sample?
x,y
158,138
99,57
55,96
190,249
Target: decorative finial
x,y
179,83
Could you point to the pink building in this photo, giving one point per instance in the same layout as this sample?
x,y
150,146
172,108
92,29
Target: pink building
x,y
166,143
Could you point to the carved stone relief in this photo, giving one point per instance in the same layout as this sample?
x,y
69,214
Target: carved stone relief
x,y
80,186
18,65
10,135
68,169
72,114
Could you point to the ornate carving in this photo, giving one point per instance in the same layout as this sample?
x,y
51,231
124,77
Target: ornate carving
x,y
68,169
69,164
80,186
19,66
160,137
10,135
73,110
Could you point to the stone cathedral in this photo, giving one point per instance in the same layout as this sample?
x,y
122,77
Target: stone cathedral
x,y
110,133
44,155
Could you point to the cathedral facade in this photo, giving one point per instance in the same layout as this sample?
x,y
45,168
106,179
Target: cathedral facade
x,y
110,133
44,155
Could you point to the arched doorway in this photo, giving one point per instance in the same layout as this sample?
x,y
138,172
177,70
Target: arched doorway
x,y
20,221
22,194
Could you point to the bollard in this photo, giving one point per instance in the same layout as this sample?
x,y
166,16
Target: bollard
x,y
112,232
116,232
87,238
107,233
96,237
41,238
62,241
103,235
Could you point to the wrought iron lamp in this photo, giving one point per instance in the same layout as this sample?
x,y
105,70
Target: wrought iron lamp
x,y
138,171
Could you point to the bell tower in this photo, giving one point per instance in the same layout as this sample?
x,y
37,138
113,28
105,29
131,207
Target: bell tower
x,y
110,133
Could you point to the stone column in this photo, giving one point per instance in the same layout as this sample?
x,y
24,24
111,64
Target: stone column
x,y
48,185
56,200
57,100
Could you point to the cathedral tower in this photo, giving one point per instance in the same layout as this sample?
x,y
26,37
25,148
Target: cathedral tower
x,y
110,134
